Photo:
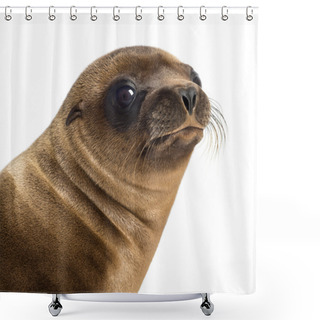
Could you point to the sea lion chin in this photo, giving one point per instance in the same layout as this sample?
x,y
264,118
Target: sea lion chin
x,y
83,209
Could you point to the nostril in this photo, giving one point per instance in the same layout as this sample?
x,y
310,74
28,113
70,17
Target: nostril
x,y
186,102
194,100
189,97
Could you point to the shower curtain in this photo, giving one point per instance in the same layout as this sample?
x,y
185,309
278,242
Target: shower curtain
x,y
127,149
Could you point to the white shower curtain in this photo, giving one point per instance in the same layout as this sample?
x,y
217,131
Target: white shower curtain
x,y
208,242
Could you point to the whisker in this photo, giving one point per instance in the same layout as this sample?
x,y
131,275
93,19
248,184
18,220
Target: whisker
x,y
153,142
216,129
139,157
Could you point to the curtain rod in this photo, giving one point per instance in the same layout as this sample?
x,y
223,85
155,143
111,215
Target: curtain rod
x,y
126,7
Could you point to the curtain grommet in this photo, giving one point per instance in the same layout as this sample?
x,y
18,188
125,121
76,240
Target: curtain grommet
x,y
224,13
249,16
28,16
73,11
116,17
203,13
180,12
160,16
7,11
93,17
52,10
138,16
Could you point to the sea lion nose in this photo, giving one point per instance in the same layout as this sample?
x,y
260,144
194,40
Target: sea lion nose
x,y
189,96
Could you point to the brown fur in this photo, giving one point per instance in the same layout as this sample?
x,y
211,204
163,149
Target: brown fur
x,y
83,209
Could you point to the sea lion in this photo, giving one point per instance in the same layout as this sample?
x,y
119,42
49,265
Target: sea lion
x,y
84,207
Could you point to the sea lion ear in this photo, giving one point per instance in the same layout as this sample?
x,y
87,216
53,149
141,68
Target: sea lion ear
x,y
74,113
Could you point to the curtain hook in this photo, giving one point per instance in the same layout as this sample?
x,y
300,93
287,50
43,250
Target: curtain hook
x,y
138,16
73,15
7,15
93,17
180,13
52,10
249,16
203,13
28,16
160,16
116,17
224,13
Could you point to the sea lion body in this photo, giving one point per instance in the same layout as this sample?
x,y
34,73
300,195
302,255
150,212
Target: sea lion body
x,y
84,207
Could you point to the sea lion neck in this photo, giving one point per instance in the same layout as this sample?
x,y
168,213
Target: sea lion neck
x,y
155,190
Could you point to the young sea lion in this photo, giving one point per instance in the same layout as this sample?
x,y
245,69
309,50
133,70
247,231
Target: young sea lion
x,y
83,208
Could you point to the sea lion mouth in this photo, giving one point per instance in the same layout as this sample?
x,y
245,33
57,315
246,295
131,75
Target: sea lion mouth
x,y
188,134
174,145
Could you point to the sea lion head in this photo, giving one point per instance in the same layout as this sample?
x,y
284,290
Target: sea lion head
x,y
138,105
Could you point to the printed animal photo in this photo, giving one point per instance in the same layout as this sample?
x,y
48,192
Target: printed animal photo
x,y
84,207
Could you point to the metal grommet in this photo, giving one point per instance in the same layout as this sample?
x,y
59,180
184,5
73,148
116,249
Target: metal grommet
x,y
52,17
138,16
203,13
93,17
116,17
7,16
249,16
180,13
73,15
224,13
160,16
28,16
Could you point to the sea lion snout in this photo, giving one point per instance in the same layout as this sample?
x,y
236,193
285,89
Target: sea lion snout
x,y
179,114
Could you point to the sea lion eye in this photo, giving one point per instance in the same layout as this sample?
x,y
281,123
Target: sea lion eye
x,y
196,80
125,95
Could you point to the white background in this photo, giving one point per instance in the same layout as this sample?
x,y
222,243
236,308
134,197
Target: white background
x,y
288,220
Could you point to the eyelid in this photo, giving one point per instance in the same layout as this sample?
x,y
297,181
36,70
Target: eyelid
x,y
119,82
125,82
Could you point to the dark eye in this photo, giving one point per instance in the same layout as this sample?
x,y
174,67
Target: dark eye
x,y
197,80
125,95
